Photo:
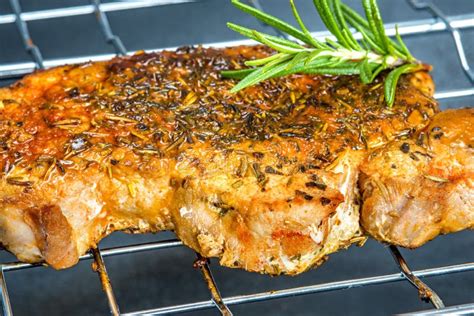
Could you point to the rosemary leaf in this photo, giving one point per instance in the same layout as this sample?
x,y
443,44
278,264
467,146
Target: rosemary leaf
x,y
249,33
314,55
276,46
297,59
263,61
337,71
334,44
349,13
344,28
342,69
362,30
391,81
310,40
271,20
365,71
320,62
402,44
261,74
236,74
377,71
361,25
376,24
353,43
329,20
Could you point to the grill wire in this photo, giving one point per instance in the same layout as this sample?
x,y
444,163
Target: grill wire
x,y
439,22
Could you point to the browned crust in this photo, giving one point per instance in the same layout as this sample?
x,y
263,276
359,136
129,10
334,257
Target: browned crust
x,y
414,190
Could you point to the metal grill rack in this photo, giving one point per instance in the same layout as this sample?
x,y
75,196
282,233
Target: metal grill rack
x,y
438,23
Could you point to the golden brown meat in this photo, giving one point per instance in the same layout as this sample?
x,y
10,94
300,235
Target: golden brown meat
x,y
264,179
416,189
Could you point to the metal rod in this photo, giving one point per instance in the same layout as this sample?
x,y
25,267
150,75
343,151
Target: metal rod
x,y
405,28
436,12
99,267
425,292
7,308
454,94
88,9
30,47
110,37
305,290
108,252
202,264
465,309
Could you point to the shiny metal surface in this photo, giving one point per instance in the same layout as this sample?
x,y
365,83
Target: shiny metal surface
x,y
6,306
305,290
99,267
87,9
108,252
465,309
454,93
424,291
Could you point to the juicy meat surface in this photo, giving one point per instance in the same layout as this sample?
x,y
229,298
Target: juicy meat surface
x,y
265,179
418,188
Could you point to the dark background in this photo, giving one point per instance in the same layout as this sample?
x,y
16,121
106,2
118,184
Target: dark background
x,y
161,278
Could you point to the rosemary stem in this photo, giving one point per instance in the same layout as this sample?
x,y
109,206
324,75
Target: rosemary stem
x,y
340,55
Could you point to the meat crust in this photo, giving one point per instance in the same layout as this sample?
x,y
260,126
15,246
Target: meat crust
x,y
415,189
265,179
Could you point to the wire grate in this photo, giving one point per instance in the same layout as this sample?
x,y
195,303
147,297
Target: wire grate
x,y
424,291
110,38
30,47
436,12
439,23
87,9
99,266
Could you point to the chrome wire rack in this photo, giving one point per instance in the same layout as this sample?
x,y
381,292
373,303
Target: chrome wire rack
x,y
438,23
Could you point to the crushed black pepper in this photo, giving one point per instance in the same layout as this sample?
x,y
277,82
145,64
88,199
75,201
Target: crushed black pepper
x,y
405,148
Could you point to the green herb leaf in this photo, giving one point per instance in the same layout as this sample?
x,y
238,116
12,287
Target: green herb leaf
x,y
376,24
329,20
402,44
365,71
237,74
271,20
391,81
263,61
277,46
261,74
343,25
250,34
310,40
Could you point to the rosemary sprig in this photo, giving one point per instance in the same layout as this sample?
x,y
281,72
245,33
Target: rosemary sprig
x,y
368,57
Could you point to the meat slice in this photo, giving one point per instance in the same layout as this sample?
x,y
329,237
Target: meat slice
x,y
264,179
285,222
415,189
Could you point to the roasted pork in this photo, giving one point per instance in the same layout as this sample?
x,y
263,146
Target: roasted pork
x,y
265,180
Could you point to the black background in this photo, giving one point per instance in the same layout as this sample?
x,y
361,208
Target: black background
x,y
160,278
